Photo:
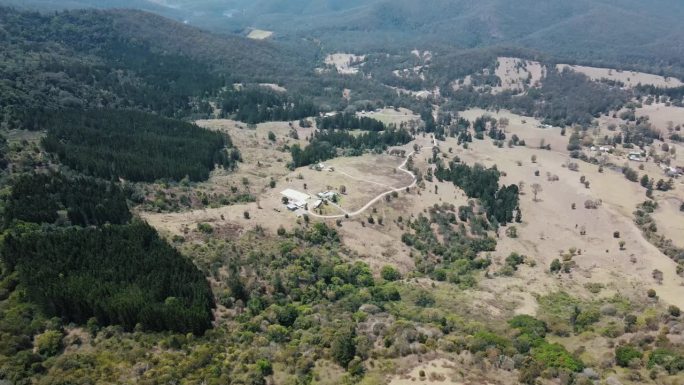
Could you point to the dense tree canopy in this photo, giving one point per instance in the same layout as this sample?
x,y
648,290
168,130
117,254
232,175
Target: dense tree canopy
x,y
75,252
42,197
133,145
325,143
349,121
479,182
119,274
259,104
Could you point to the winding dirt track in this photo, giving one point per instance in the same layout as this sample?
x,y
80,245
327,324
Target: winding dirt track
x,y
377,198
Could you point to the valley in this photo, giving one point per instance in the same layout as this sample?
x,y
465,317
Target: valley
x,y
281,203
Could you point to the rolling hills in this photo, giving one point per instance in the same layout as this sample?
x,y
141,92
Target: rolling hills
x,y
607,31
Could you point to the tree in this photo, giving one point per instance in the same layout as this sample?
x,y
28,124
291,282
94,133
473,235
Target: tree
x,y
536,189
343,347
644,181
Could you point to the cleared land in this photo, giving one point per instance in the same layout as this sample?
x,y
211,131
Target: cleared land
x,y
345,63
518,74
550,228
629,78
391,116
274,87
662,116
259,34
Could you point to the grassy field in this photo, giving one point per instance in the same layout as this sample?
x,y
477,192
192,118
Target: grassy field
x,y
629,78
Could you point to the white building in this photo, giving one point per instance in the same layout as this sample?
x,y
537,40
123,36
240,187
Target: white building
x,y
327,194
295,198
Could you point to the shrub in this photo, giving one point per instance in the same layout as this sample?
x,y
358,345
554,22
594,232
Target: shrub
x,y
425,299
49,343
514,259
556,356
630,174
277,333
555,266
512,232
264,367
485,340
671,361
529,325
626,353
246,214
389,273
205,228
586,318
674,311
594,287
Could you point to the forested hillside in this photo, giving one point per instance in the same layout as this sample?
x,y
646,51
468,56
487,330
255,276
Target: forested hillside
x,y
123,59
617,32
159,224
133,145
70,245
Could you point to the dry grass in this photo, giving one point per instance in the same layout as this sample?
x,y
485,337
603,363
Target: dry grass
x,y
549,225
391,116
517,74
259,34
662,116
344,63
629,78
